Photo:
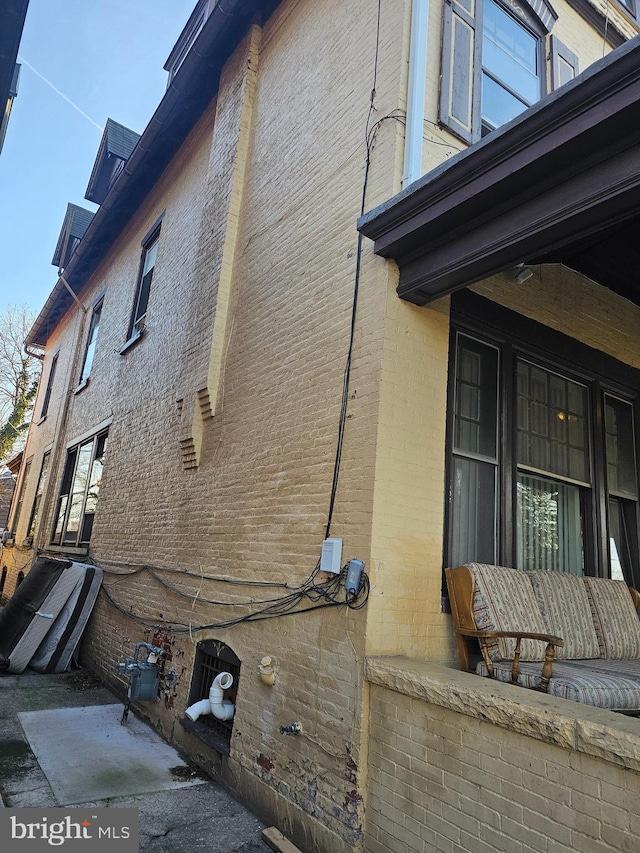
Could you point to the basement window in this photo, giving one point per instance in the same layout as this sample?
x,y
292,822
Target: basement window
x,y
212,658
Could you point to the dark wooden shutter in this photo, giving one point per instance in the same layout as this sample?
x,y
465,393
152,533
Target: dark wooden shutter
x,y
458,50
564,63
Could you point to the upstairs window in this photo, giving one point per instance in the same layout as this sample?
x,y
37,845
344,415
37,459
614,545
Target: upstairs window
x,y
47,393
91,341
494,62
187,37
511,73
630,6
141,301
78,497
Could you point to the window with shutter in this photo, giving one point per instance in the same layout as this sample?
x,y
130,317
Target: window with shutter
x,y
493,62
564,63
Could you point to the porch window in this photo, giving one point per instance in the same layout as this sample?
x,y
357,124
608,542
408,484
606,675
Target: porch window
x,y
542,464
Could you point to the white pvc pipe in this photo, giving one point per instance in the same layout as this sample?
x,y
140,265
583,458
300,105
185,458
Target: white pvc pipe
x,y
416,92
198,709
221,708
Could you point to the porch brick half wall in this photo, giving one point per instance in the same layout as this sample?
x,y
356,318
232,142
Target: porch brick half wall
x,y
461,763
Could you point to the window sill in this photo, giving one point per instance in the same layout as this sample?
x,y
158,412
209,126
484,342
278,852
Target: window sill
x,y
41,421
61,549
207,735
81,386
133,340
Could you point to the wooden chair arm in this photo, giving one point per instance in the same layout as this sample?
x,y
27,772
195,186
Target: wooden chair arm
x,y
523,635
549,655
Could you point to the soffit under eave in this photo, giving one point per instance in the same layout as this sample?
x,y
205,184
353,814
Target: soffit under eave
x,y
568,224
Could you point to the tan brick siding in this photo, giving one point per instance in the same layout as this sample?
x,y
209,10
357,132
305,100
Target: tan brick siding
x,y
443,781
255,507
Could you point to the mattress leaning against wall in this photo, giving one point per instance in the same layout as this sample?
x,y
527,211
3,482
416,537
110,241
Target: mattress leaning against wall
x,y
33,610
56,649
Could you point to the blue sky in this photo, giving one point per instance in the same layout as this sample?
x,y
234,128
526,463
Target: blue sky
x,y
106,58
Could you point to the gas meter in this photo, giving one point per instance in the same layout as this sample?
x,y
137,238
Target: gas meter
x,y
144,677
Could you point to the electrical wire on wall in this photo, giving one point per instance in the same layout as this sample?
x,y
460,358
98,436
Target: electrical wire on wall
x,y
311,595
370,133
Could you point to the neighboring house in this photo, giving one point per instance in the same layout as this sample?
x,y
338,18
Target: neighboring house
x,y
238,374
12,16
7,486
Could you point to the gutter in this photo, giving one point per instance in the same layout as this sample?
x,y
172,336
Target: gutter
x,y
183,104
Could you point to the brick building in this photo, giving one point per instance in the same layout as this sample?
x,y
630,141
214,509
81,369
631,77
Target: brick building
x,y
194,434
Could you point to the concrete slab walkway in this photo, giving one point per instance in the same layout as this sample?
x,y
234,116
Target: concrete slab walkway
x,y
180,811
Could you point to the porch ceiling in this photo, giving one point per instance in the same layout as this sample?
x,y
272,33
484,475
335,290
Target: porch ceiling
x,y
559,184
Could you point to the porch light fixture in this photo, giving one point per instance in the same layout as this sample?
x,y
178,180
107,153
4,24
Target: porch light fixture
x,y
521,273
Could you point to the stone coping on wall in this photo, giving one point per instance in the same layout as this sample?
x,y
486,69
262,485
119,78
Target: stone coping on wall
x,y
570,725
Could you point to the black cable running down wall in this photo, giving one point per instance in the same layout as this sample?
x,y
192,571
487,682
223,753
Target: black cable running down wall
x,y
369,138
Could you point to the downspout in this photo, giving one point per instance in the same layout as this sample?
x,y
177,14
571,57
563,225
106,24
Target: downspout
x,y
215,704
416,92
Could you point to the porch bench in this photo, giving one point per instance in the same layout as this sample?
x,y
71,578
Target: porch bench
x,y
570,636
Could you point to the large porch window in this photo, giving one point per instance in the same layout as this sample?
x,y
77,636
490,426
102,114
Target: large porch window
x,y
542,464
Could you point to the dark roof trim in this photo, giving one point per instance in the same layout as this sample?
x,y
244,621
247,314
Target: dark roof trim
x,y
191,91
554,174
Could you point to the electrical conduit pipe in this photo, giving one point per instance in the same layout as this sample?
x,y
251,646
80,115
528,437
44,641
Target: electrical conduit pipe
x,y
221,708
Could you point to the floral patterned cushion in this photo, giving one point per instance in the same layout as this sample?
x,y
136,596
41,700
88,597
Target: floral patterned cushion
x,y
565,609
503,600
614,617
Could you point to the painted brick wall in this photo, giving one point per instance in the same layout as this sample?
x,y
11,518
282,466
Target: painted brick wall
x,y
255,507
441,780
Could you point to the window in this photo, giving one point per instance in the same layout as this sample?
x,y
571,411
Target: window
x,y
17,513
630,6
542,458
91,341
510,67
40,490
79,492
3,579
188,36
47,393
148,262
493,62
212,658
